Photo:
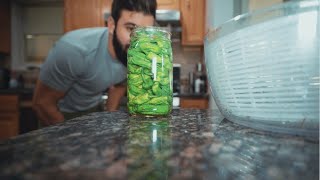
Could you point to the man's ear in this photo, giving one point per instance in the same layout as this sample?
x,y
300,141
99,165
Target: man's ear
x,y
111,24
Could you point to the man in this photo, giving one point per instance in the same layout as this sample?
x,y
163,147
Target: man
x,y
86,62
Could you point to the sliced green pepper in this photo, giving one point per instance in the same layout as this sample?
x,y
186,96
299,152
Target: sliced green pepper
x,y
136,90
134,69
147,81
147,47
151,110
140,99
159,100
135,79
156,89
141,62
152,55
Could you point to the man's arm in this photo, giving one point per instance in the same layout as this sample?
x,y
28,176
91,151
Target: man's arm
x,y
44,103
114,96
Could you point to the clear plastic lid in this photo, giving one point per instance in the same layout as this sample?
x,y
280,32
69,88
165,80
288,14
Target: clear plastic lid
x,y
151,31
262,15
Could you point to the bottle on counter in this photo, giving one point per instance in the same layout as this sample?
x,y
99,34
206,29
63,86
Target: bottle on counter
x,y
13,83
20,81
197,84
200,80
191,82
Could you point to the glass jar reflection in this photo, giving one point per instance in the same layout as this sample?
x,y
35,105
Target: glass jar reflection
x,y
148,148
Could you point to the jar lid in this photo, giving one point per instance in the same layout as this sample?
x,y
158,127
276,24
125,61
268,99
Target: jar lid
x,y
151,31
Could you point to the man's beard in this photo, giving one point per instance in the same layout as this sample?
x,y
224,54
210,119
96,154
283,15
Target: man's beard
x,y
121,52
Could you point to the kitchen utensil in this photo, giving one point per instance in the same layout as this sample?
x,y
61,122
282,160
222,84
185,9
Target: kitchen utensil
x,y
263,68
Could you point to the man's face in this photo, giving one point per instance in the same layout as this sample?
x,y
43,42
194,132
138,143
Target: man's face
x,y
121,35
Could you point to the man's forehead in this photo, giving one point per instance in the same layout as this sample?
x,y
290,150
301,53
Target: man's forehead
x,y
128,13
136,18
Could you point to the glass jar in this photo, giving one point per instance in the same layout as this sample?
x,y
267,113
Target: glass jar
x,y
150,72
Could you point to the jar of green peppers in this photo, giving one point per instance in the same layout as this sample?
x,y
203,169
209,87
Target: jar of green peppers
x,y
150,72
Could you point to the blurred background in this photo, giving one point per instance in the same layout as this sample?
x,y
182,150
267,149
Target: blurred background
x,y
29,28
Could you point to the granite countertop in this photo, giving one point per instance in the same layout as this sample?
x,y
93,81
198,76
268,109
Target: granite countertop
x,y
189,144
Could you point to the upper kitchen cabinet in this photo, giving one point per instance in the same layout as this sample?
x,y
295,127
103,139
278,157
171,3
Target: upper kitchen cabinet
x,y
107,6
84,13
258,4
5,28
161,4
90,13
193,21
168,4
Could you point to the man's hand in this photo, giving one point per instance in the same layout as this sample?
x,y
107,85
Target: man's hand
x,y
44,103
115,94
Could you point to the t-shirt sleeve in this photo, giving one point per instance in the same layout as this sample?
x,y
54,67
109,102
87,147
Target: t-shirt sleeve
x,y
63,66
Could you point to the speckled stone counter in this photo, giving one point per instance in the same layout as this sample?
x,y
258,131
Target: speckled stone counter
x,y
189,144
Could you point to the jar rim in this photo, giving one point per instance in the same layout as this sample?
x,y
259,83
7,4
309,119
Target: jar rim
x,y
151,28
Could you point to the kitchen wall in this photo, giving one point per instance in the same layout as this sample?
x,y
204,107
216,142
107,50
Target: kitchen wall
x,y
43,20
34,30
43,27
38,21
257,4
188,57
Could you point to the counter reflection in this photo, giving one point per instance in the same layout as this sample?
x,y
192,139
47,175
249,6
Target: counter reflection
x,y
148,148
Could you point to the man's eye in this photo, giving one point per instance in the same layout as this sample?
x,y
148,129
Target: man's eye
x,y
130,28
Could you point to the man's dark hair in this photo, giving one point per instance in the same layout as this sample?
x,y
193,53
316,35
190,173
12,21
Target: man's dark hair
x,y
147,7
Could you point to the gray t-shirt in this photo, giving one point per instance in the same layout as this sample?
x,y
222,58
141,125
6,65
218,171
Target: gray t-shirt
x,y
80,65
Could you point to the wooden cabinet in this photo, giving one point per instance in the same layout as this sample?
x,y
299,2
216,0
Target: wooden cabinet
x,y
28,119
106,7
9,116
198,103
168,4
193,21
5,28
161,4
90,13
258,4
84,13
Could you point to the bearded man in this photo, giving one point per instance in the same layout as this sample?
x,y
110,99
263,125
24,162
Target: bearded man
x,y
84,63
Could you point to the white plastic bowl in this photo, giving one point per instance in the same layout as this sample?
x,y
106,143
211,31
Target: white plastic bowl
x,y
263,68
